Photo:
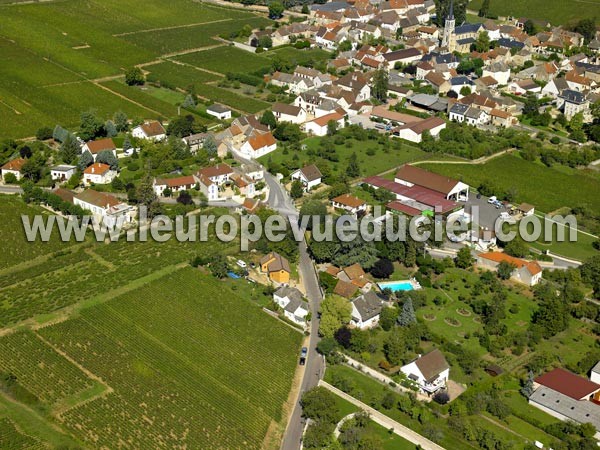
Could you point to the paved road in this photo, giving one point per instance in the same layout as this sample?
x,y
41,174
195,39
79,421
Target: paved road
x,y
4,189
386,422
280,201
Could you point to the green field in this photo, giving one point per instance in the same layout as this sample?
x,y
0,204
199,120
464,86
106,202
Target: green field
x,y
370,165
556,12
51,51
226,59
216,394
546,188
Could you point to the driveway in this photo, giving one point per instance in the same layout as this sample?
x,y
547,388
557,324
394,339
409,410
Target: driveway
x,y
488,214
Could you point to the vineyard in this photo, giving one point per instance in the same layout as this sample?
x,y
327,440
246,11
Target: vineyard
x,y
226,59
12,439
191,364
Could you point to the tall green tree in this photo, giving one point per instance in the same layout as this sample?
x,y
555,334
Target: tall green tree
x,y
353,169
121,121
464,259
275,10
380,85
296,190
485,8
335,313
86,159
111,128
147,197
407,316
108,157
70,150
268,119
90,126
135,77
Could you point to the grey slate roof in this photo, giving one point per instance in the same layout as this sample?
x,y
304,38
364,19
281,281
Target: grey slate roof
x,y
581,411
459,108
368,305
572,96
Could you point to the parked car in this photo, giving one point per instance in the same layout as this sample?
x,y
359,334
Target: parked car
x,y
492,199
241,263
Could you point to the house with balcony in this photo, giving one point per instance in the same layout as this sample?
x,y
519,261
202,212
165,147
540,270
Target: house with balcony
x,y
430,371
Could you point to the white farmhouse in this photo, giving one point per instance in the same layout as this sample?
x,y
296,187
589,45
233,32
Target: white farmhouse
x,y
295,308
152,131
430,372
98,173
318,126
366,309
101,145
289,113
310,176
259,145
219,111
62,173
105,207
13,167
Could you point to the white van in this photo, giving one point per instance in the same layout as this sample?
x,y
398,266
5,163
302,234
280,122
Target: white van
x,y
241,263
492,199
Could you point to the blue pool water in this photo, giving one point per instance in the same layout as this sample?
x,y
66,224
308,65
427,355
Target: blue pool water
x,y
233,275
397,286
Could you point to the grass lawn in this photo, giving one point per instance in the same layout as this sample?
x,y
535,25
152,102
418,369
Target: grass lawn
x,y
370,165
226,59
556,12
546,188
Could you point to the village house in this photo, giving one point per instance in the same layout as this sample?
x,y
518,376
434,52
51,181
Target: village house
x,y
310,176
499,71
290,299
527,272
98,173
349,203
501,118
413,132
289,113
429,372
219,174
105,207
404,56
356,276
572,102
219,111
259,144
276,267
525,87
195,141
63,172
568,397
209,188
174,184
101,145
13,167
151,131
366,309
319,126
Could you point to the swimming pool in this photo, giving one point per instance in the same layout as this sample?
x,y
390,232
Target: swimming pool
x,y
403,285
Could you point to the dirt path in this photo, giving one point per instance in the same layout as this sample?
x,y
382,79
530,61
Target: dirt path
x,y
174,61
128,99
386,421
175,27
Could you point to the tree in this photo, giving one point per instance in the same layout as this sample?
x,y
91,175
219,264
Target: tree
x,y
185,198
268,119
312,208
383,268
335,312
134,77
465,90
188,102
326,346
332,127
289,132
218,266
527,388
70,150
464,259
590,274
394,346
407,316
482,43
442,8
517,248
121,121
108,157
275,10
210,146
86,159
320,405
126,143
353,169
380,85
265,41
505,270
147,197
90,126
552,316
388,317
485,8
10,178
43,134
182,126
587,28
440,396
305,9
111,129
296,189
32,168
529,27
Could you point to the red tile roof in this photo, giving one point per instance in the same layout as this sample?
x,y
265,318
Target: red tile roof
x,y
97,169
348,200
259,141
177,182
15,164
568,383
424,178
100,145
532,266
153,128
215,171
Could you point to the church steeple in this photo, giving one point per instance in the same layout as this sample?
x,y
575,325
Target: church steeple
x,y
449,25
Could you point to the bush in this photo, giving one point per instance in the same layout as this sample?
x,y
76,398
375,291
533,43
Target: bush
x,y
10,178
43,134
